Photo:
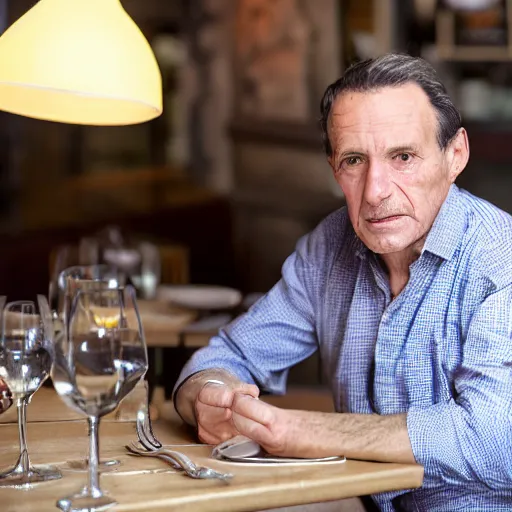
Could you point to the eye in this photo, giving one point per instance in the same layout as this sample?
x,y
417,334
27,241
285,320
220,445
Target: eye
x,y
351,161
403,157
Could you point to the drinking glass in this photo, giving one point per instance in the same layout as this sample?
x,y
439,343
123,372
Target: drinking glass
x,y
70,280
26,354
84,277
97,364
66,256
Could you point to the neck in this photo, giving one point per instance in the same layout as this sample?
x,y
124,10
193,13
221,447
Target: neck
x,y
398,263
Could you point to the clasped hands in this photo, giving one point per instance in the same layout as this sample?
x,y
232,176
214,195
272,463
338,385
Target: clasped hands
x,y
230,407
225,410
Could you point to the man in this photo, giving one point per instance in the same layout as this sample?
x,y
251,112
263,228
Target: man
x,y
406,292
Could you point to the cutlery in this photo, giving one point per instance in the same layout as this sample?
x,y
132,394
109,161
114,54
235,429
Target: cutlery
x,y
179,461
143,424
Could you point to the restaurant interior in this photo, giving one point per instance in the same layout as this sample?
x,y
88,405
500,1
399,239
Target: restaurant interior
x,y
232,173
201,205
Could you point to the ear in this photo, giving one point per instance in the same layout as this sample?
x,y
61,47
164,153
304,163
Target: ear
x,y
457,154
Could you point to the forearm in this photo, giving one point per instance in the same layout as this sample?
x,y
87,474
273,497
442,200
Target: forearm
x,y
306,434
186,395
357,436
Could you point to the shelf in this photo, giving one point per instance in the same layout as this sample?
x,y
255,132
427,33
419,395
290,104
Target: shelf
x,y
448,50
474,53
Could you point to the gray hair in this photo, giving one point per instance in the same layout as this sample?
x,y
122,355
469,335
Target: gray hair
x,y
394,70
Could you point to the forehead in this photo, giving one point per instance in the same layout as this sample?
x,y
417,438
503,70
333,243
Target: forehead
x,y
391,115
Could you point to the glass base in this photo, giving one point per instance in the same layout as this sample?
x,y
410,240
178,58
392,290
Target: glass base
x,y
85,501
104,466
40,473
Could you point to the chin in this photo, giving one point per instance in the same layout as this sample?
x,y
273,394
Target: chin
x,y
387,245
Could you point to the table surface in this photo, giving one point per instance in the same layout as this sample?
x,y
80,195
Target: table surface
x,y
165,326
147,484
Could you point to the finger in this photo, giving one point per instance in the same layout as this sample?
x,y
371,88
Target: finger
x,y
248,389
217,395
214,424
253,429
217,436
211,415
253,409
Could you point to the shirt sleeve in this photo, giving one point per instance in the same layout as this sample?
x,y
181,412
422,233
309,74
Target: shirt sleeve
x,y
277,332
469,437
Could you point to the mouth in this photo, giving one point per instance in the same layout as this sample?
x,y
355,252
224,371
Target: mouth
x,y
384,220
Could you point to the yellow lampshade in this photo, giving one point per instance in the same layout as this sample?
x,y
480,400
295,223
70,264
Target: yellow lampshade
x,y
80,62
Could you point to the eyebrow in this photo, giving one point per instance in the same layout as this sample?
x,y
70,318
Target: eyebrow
x,y
351,152
402,148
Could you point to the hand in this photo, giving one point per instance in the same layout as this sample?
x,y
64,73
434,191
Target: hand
x,y
286,432
213,410
274,429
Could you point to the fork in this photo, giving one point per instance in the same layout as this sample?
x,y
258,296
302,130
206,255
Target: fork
x,y
143,424
179,460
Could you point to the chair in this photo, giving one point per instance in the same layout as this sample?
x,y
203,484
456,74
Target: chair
x,y
175,266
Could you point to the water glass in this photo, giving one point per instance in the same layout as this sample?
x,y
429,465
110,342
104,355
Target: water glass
x,y
97,364
26,354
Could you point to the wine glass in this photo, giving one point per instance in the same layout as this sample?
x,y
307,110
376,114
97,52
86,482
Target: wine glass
x,y
97,364
26,354
66,256
83,277
70,280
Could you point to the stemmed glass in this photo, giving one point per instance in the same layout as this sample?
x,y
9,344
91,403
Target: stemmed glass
x,y
97,364
83,277
69,281
26,354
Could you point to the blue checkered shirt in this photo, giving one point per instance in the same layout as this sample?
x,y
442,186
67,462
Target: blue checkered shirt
x,y
441,351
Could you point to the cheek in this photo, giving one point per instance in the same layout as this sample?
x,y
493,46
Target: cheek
x,y
351,186
425,192
353,193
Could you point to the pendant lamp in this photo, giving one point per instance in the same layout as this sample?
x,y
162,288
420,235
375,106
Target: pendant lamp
x,y
80,62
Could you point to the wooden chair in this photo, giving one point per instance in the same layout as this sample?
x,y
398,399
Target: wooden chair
x,y
175,264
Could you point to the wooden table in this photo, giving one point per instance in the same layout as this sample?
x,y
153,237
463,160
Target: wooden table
x,y
149,485
167,326
178,338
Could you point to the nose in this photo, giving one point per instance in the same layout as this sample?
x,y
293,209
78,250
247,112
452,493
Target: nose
x,y
378,183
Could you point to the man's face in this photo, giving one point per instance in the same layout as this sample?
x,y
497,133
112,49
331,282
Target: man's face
x,y
388,163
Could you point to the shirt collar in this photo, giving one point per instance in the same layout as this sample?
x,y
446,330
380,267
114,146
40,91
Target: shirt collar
x,y
357,247
449,226
445,234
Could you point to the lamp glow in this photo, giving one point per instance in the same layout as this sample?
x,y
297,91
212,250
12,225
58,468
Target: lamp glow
x,y
79,62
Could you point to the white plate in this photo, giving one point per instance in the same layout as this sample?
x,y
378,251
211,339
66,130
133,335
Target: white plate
x,y
279,461
199,296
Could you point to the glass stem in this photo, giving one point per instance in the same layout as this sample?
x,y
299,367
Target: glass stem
x,y
24,461
94,449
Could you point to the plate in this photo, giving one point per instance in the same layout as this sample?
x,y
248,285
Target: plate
x,y
199,296
242,450
268,460
158,316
